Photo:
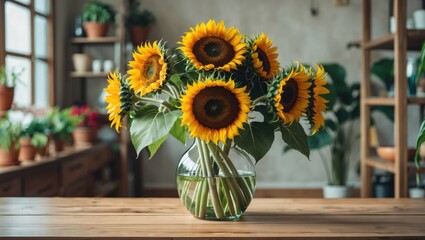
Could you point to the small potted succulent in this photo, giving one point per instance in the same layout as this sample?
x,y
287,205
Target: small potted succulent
x,y
61,126
7,88
9,142
86,132
139,22
96,18
34,136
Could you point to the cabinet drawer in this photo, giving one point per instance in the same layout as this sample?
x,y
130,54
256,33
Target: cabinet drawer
x,y
43,183
98,159
76,189
73,170
11,188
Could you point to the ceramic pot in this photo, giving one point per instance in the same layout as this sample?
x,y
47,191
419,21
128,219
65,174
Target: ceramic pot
x,y
139,34
417,192
332,191
9,157
6,99
96,30
84,136
82,62
28,151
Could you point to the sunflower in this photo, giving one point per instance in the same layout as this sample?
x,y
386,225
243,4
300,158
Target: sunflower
x,y
317,102
264,57
148,70
211,46
114,100
292,97
215,110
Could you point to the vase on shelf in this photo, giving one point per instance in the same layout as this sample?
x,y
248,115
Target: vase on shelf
x,y
95,29
6,99
28,151
215,182
9,157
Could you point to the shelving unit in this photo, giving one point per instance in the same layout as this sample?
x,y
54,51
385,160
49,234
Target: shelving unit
x,y
115,42
400,42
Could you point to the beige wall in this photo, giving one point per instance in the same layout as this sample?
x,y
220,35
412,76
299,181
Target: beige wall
x,y
298,35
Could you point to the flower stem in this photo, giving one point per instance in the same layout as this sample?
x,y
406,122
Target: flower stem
x,y
259,99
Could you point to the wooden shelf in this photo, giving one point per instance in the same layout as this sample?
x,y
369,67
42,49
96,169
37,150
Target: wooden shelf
x,y
387,101
89,75
415,38
100,40
379,163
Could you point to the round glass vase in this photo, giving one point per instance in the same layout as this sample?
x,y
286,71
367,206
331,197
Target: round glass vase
x,y
215,182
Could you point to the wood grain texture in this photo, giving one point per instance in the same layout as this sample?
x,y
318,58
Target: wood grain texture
x,y
166,218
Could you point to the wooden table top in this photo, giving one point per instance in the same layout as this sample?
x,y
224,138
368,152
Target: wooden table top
x,y
138,218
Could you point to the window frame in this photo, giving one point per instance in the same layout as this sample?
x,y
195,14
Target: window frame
x,y
49,60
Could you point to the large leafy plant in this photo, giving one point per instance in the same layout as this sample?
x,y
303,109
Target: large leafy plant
x,y
95,11
10,134
136,17
339,134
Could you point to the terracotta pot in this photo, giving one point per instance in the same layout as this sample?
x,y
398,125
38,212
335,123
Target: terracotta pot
x,y
388,153
28,151
84,136
95,30
139,34
9,157
6,99
82,62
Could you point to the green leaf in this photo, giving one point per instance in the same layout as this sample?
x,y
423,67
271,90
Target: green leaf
x,y
256,139
264,110
178,131
39,140
155,146
151,126
175,78
330,124
342,115
421,66
294,135
384,70
320,139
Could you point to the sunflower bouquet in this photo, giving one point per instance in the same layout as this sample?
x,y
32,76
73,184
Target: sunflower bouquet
x,y
225,90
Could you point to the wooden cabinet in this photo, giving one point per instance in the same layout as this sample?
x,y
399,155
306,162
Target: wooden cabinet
x,y
73,173
400,42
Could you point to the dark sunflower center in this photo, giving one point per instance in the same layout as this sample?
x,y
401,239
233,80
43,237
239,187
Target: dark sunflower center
x,y
213,50
263,58
215,107
150,70
289,95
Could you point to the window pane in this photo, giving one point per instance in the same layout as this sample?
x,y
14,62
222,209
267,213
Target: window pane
x,y
24,1
41,84
41,6
18,28
40,36
23,87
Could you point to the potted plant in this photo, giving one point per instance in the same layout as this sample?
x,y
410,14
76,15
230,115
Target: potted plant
x,y
96,18
34,136
139,22
62,124
7,88
9,144
86,132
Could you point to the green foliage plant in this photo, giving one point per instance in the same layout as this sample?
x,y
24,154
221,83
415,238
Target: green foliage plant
x,y
62,123
9,79
95,11
10,134
136,17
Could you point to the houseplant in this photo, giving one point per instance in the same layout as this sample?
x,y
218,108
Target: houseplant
x,y
86,131
61,126
139,22
9,145
96,18
209,89
7,88
34,137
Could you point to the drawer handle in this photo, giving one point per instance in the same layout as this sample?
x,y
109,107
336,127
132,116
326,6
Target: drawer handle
x,y
45,189
5,188
75,167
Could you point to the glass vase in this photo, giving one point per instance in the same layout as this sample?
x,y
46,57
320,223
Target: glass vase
x,y
215,182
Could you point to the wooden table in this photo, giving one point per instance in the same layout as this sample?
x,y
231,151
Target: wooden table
x,y
116,218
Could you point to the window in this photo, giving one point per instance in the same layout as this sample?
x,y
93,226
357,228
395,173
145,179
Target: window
x,y
26,46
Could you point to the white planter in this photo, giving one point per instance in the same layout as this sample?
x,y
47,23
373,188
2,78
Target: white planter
x,y
419,17
82,62
331,191
417,193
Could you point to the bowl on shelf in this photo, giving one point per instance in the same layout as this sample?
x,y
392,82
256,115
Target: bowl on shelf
x,y
388,153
